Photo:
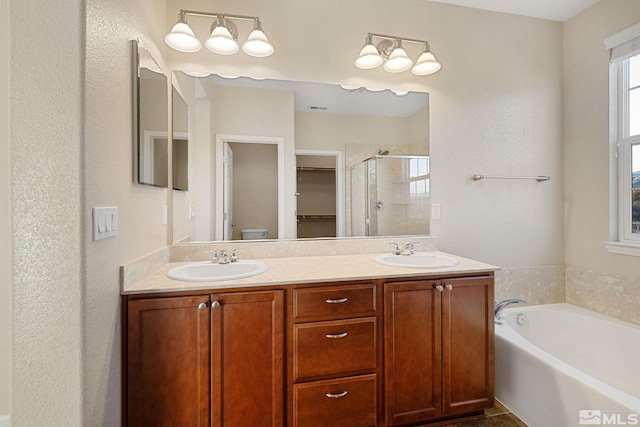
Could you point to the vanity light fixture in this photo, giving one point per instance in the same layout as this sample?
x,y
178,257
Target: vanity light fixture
x,y
396,60
223,36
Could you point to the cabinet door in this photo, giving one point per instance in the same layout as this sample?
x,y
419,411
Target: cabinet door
x,y
168,362
412,352
247,359
468,349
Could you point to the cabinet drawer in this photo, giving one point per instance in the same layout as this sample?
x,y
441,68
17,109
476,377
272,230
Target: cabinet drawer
x,y
334,301
334,347
348,402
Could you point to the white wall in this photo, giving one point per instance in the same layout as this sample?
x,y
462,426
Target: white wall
x,y
108,181
496,108
5,218
587,135
591,270
46,171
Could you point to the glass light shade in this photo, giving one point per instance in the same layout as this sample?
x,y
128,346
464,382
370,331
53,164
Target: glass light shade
x,y
258,45
426,64
369,58
221,41
181,38
398,61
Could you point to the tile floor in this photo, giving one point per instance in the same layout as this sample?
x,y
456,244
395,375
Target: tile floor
x,y
498,416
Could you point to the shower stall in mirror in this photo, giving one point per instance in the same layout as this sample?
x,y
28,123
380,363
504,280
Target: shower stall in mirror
x,y
390,196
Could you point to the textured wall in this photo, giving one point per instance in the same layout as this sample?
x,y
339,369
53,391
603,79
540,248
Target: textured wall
x,y
496,108
5,217
110,25
586,156
46,140
596,279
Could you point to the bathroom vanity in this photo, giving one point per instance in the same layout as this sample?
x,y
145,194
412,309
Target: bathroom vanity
x,y
354,344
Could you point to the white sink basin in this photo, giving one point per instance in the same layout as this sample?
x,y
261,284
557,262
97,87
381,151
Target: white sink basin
x,y
207,272
418,260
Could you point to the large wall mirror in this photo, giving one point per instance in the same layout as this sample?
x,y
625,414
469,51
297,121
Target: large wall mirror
x,y
279,159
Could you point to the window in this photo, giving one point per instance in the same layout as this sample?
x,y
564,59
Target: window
x,y
625,140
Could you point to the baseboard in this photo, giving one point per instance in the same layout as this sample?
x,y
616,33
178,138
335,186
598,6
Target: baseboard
x,y
4,420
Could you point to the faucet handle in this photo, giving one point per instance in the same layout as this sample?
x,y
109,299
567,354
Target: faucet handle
x,y
234,255
412,246
396,248
215,258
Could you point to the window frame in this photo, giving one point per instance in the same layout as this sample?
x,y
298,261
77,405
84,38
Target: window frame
x,y
623,241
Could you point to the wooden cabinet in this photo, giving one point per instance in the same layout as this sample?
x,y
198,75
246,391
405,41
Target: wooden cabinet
x,y
438,348
168,368
334,356
368,353
212,360
247,358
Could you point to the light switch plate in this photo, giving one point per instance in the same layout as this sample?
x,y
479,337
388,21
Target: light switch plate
x,y
105,222
435,211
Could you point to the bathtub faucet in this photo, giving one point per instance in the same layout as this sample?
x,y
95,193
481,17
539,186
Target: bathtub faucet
x,y
497,311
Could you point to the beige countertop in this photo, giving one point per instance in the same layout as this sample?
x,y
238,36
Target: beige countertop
x,y
293,270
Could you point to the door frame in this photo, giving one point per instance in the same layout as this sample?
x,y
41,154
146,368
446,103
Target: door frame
x,y
219,177
340,213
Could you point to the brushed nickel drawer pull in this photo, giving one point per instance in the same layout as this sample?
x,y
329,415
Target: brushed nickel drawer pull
x,y
342,335
449,287
202,306
336,301
439,288
337,395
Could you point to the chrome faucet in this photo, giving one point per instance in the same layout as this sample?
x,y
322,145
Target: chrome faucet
x,y
500,306
403,248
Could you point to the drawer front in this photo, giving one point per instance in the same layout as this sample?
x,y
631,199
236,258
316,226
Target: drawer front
x,y
334,301
334,347
348,402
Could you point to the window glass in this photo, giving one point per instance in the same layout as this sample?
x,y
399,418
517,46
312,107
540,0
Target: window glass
x,y
635,189
634,71
634,95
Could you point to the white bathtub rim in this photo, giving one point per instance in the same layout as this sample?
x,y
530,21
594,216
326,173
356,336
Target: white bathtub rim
x,y
505,332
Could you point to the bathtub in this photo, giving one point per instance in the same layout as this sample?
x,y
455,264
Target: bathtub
x,y
559,365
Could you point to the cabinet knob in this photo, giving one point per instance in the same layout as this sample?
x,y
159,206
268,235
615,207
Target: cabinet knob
x,y
440,288
215,304
342,335
202,306
336,300
337,395
449,287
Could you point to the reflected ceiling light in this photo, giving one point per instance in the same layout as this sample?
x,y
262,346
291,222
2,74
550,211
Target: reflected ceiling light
x,y
349,87
400,92
229,76
374,89
181,36
426,63
223,35
396,60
